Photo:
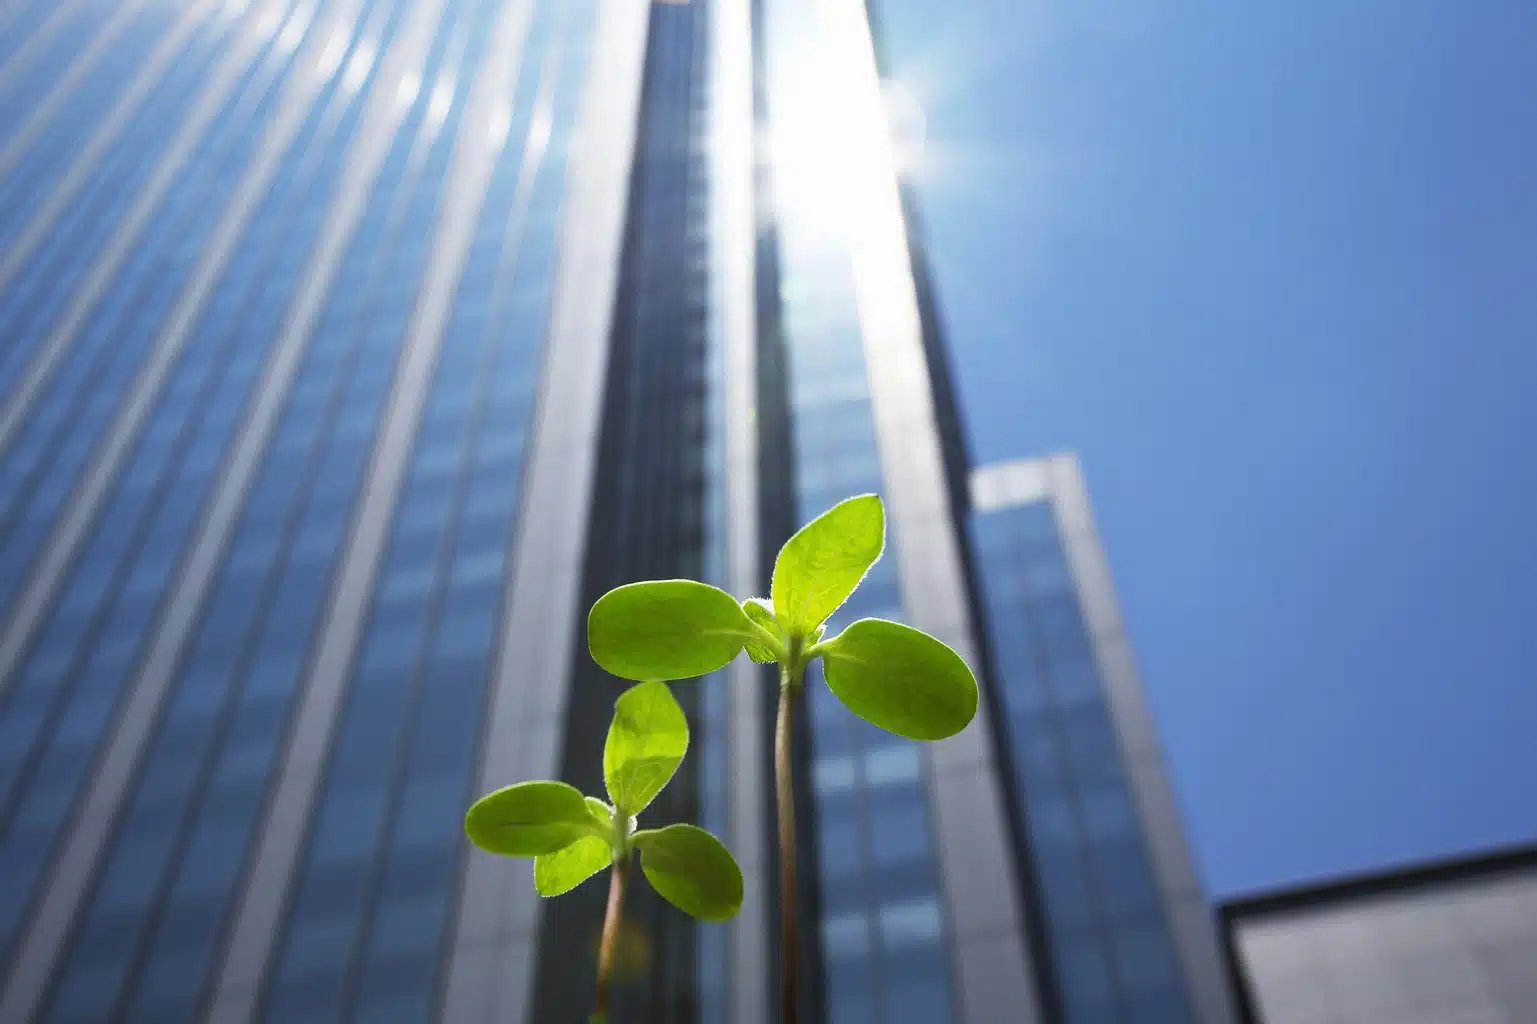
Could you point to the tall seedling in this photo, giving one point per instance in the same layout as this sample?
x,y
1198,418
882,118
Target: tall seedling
x,y
573,837
893,676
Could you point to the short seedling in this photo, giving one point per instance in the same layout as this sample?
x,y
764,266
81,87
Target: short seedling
x,y
891,675
572,837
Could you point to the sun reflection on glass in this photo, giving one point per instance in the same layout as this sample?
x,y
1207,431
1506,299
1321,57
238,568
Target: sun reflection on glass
x,y
358,67
837,131
539,129
907,127
842,142
410,85
498,125
442,99
293,31
331,56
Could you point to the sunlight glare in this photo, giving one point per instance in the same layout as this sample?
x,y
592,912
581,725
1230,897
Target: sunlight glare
x,y
834,135
499,125
539,130
358,67
907,127
410,85
883,282
331,56
293,32
442,99
268,21
837,174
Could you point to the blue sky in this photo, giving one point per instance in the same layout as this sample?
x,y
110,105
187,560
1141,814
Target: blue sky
x,y
1271,269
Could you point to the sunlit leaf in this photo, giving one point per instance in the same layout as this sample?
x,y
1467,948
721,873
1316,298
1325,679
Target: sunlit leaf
x,y
759,612
900,679
564,870
692,870
603,817
601,812
823,563
646,742
529,818
666,629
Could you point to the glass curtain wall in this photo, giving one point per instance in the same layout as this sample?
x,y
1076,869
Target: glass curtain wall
x,y
62,699
878,916
656,514
1110,946
365,933
48,451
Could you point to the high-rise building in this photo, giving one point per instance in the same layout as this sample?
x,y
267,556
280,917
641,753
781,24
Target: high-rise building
x,y
1125,928
1453,940
348,350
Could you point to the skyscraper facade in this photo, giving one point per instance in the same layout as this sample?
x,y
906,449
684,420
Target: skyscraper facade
x,y
348,350
1127,929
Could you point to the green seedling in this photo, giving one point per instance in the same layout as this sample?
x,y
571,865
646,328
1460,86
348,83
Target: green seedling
x,y
573,837
893,676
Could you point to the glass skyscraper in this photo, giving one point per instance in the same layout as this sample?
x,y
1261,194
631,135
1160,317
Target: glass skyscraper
x,y
348,350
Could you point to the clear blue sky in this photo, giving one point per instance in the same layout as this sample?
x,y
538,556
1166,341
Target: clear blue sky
x,y
1271,269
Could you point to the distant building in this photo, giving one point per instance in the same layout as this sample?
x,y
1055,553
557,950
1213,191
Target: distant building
x,y
348,350
1447,943
1124,922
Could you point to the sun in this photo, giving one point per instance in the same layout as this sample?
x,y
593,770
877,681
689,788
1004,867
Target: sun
x,y
839,132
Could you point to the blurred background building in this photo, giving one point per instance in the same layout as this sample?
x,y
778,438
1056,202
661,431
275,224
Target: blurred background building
x,y
1431,943
348,349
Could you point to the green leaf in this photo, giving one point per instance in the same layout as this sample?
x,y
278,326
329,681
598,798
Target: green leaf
x,y
666,629
823,563
692,870
900,679
762,614
646,743
603,814
529,818
564,870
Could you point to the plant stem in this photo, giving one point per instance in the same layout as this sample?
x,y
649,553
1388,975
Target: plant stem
x,y
616,880
789,942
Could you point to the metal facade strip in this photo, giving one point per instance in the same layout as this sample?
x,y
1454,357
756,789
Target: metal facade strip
x,y
492,959
734,331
